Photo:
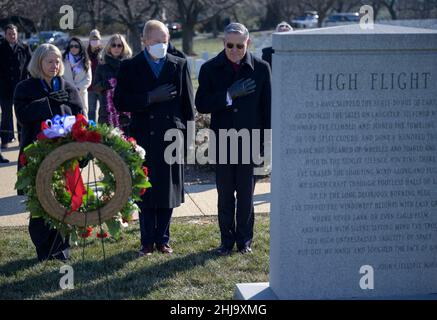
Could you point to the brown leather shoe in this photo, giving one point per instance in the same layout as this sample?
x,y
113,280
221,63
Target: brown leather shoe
x,y
164,248
146,250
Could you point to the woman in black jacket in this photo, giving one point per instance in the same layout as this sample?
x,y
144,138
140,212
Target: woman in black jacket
x,y
37,99
104,83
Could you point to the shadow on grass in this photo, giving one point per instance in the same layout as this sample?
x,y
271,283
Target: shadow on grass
x,y
10,268
48,278
142,281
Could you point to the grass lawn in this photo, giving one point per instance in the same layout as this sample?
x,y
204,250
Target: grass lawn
x,y
192,272
214,45
210,45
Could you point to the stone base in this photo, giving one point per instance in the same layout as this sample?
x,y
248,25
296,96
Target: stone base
x,y
262,291
254,291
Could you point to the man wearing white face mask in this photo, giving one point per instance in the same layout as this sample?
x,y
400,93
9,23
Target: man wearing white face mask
x,y
155,87
94,49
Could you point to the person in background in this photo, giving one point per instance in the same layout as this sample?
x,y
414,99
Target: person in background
x,y
235,87
268,52
104,82
37,99
14,57
94,50
78,69
156,88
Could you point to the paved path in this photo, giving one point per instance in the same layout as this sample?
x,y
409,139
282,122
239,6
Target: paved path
x,y
201,199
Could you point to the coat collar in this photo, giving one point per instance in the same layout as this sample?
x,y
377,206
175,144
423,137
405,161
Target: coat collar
x,y
221,60
170,63
19,45
112,62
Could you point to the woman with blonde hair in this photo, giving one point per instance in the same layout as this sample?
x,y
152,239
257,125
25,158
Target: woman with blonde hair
x,y
104,83
37,99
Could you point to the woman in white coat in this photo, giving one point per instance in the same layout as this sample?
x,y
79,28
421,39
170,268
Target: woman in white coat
x,y
78,69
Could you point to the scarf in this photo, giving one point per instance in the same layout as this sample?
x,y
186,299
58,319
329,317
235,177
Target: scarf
x,y
76,63
113,114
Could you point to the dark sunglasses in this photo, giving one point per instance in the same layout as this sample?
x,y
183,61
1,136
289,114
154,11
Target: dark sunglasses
x,y
238,45
74,46
116,45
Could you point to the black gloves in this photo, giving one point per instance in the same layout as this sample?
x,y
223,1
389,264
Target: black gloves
x,y
241,88
60,96
162,93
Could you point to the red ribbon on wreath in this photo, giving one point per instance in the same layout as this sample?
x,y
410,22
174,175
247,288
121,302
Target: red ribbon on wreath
x,y
75,187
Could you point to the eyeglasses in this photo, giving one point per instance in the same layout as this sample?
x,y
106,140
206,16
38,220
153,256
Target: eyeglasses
x,y
238,45
116,45
74,46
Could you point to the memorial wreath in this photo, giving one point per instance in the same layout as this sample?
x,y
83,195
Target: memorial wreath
x,y
52,170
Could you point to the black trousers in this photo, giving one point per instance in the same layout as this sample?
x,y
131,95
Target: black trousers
x,y
7,123
46,239
235,187
155,225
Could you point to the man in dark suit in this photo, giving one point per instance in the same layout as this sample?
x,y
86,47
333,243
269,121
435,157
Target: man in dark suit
x,y
235,87
14,59
268,52
156,88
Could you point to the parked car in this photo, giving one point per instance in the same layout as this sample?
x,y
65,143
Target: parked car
x,y
341,19
310,19
58,38
175,29
33,42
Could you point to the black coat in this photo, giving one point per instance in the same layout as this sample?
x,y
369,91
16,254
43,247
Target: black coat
x,y
249,112
13,67
267,55
252,111
175,52
150,122
105,71
32,106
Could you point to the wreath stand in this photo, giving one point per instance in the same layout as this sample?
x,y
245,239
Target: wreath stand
x,y
53,208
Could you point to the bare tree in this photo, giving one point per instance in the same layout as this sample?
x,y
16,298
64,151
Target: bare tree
x,y
192,12
133,14
323,8
279,10
390,5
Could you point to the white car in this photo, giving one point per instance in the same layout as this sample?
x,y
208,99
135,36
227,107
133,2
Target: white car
x,y
310,19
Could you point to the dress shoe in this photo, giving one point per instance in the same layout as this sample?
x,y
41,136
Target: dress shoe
x,y
63,255
3,160
223,251
164,248
245,250
146,250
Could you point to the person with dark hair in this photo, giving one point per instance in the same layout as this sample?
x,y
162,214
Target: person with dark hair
x,y
37,99
78,69
94,50
14,57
